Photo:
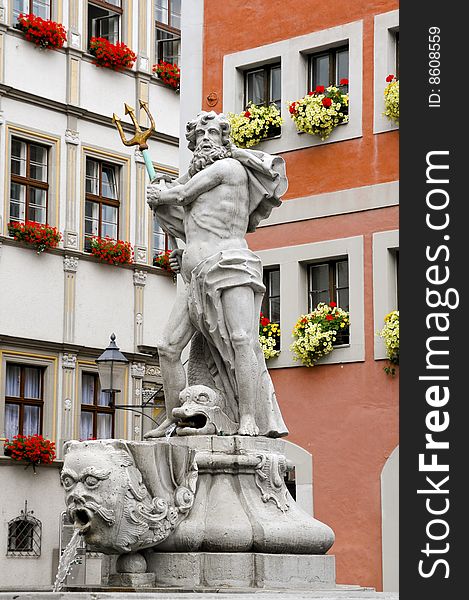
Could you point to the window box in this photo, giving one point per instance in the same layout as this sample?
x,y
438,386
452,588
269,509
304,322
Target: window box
x,y
269,337
44,33
317,332
161,260
116,56
113,252
391,99
321,111
168,73
255,124
39,235
32,449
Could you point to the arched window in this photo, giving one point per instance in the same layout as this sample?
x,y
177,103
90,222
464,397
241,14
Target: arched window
x,y
24,535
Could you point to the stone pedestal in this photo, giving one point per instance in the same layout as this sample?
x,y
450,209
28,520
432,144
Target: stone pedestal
x,y
242,503
192,570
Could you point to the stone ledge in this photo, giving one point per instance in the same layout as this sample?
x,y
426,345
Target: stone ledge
x,y
338,594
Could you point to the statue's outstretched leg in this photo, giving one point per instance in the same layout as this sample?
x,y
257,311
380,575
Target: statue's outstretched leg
x,y
238,308
177,334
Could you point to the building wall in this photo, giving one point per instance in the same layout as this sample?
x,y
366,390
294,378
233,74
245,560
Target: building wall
x,y
58,308
342,200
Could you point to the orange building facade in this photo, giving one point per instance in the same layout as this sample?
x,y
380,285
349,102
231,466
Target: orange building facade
x,y
338,222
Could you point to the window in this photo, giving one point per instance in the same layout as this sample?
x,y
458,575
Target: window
x,y
329,67
97,417
329,282
24,535
101,201
104,19
28,186
168,30
396,40
263,86
271,301
24,400
40,8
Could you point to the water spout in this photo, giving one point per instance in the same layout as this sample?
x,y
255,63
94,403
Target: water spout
x,y
67,560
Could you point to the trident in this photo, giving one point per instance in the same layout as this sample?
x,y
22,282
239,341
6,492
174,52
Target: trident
x,y
140,138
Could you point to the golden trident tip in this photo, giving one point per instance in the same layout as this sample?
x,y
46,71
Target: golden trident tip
x,y
140,137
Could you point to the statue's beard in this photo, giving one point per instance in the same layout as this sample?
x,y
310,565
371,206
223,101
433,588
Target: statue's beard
x,y
205,156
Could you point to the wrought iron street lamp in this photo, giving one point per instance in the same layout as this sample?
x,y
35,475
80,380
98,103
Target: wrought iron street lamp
x,y
111,368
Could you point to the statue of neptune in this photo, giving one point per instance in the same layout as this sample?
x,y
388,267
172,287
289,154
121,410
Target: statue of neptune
x,y
225,194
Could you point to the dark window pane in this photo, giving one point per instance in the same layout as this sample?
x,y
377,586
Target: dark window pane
x,y
343,298
255,87
319,278
342,65
321,70
275,86
342,273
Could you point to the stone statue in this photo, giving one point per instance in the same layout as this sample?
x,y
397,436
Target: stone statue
x,y
225,194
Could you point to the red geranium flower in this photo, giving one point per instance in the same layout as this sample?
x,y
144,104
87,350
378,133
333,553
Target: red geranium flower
x,y
332,304
389,78
329,318
326,102
320,89
311,93
247,114
344,81
292,108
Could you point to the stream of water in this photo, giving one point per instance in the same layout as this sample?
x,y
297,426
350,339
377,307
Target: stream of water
x,y
67,560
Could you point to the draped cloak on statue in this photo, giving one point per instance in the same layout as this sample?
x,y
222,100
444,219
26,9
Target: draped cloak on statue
x,y
211,360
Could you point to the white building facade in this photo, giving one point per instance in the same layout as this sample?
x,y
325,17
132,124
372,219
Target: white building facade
x,y
63,164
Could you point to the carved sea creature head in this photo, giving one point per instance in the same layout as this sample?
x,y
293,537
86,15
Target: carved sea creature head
x,y
106,498
200,413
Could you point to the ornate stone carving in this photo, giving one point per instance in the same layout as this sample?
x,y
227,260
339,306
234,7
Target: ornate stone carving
x,y
143,63
270,475
137,370
108,501
152,371
69,361
138,319
139,156
140,255
147,393
74,39
200,413
70,264
72,137
71,240
140,278
67,404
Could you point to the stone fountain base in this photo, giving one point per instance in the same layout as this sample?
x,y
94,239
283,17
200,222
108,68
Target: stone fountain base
x,y
244,529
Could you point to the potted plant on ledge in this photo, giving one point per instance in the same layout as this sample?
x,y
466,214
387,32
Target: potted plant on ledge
x,y
42,32
321,111
390,334
168,73
269,337
116,56
113,252
391,99
32,449
253,125
39,235
316,332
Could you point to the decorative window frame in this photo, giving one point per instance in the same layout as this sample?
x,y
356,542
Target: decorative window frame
x,y
53,145
384,283
293,57
125,25
123,164
386,25
36,536
120,420
293,261
49,363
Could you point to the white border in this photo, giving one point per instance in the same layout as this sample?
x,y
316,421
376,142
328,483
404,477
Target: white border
x,y
384,64
384,283
293,261
293,54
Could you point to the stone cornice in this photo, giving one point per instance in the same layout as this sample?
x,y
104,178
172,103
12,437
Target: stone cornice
x,y
76,111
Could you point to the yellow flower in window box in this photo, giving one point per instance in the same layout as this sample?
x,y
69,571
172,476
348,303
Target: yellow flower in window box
x,y
391,99
256,123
